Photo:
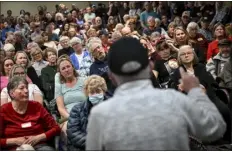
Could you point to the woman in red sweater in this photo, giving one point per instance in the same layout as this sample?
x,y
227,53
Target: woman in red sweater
x,y
23,122
219,34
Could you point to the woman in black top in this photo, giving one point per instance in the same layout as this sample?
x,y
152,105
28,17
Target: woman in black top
x,y
22,59
166,65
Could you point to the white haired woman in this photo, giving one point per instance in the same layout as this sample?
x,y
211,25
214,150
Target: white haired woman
x,y
95,88
59,20
34,92
9,49
66,48
25,122
196,37
187,59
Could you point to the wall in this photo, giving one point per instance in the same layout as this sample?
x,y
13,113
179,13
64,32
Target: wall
x,y
32,6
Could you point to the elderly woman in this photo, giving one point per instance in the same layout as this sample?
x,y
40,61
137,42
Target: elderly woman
x,y
21,26
6,66
66,48
188,60
219,34
196,37
91,33
68,90
34,92
80,58
48,73
22,59
24,122
9,49
37,58
59,20
95,88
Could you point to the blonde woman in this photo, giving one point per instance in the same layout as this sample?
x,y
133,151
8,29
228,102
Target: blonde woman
x,y
22,59
68,91
94,88
34,92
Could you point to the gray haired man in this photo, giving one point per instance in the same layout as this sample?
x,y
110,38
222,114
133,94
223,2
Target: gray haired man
x,y
140,117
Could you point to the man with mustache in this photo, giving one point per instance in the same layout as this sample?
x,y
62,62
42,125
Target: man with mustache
x,y
216,64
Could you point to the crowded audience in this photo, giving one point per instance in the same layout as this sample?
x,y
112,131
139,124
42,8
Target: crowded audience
x,y
152,63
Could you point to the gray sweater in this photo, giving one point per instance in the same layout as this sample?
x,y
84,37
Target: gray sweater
x,y
140,117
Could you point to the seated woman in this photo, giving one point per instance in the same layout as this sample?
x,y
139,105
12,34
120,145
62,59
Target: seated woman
x,y
187,59
6,66
34,92
95,88
22,59
48,73
68,90
24,122
37,58
181,37
166,65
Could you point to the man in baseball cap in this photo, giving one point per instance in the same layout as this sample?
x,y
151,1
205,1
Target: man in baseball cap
x,y
140,117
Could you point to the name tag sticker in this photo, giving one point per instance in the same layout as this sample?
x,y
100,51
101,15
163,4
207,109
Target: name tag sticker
x,y
26,125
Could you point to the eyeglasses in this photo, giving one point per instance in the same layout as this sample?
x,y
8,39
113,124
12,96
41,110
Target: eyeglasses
x,y
184,54
38,53
19,73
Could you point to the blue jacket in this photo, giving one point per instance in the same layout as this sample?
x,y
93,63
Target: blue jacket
x,y
75,61
4,31
77,125
86,63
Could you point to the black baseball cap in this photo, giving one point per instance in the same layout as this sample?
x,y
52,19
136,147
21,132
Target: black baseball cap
x,y
205,20
127,56
224,42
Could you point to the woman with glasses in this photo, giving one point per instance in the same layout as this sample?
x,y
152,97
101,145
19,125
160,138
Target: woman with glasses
x,y
22,59
188,60
37,57
34,92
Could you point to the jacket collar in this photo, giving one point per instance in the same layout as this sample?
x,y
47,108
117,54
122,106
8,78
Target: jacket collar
x,y
219,57
133,87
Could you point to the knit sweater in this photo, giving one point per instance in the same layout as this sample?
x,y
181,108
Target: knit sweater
x,y
12,124
140,117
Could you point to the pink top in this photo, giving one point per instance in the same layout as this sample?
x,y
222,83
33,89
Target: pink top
x,y
4,81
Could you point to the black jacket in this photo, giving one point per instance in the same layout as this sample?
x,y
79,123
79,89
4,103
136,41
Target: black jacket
x,y
31,73
206,79
68,51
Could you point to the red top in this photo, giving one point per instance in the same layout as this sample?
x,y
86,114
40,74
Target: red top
x,y
35,121
213,48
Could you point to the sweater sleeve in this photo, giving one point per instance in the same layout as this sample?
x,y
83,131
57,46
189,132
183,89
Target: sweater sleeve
x,y
210,67
203,118
34,77
2,127
95,129
209,51
51,127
